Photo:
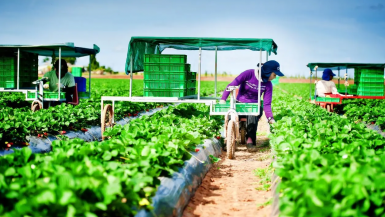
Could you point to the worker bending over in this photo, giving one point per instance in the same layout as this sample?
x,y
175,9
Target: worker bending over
x,y
67,80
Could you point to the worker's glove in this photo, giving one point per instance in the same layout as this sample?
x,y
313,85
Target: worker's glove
x,y
346,83
271,120
46,86
61,85
222,101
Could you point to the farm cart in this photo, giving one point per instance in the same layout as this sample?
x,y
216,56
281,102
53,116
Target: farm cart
x,y
368,83
19,71
144,55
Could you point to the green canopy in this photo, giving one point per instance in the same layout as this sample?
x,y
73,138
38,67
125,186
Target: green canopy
x,y
336,66
155,45
67,49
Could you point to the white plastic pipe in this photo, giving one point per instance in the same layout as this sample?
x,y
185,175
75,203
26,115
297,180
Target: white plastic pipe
x,y
89,78
18,67
59,72
259,81
131,76
199,73
215,93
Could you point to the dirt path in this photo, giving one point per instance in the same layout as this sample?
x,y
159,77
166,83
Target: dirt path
x,y
230,188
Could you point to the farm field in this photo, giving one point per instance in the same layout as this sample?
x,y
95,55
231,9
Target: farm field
x,y
329,165
17,121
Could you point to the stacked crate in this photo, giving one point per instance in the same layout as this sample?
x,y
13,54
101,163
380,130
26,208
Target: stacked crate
x,y
370,81
168,76
27,72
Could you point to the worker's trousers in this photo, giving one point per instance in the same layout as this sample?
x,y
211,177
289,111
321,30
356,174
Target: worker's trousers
x,y
252,126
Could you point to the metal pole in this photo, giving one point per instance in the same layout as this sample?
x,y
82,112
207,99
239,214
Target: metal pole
x,y
59,72
113,111
18,67
89,78
259,81
346,79
338,77
311,73
199,73
215,93
267,56
315,87
131,76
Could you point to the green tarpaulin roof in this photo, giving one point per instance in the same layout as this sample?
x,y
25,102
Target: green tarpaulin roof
x,y
155,45
336,66
67,49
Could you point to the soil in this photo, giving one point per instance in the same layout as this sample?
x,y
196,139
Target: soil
x,y
229,188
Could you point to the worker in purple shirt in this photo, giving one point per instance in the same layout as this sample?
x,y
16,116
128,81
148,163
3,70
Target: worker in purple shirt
x,y
248,93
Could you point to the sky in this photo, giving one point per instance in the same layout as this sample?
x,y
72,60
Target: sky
x,y
305,31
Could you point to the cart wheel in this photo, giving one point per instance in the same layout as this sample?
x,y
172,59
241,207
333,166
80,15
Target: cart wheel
x,y
230,143
106,119
36,106
328,107
243,134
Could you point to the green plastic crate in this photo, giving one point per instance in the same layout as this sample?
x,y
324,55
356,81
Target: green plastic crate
x,y
239,107
164,93
26,84
367,93
10,84
53,95
8,78
180,76
191,75
377,85
166,67
165,58
371,89
5,60
7,84
373,71
327,99
164,84
372,76
372,80
191,83
76,71
8,69
191,91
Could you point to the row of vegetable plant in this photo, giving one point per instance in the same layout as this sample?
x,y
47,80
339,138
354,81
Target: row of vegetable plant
x,y
329,165
367,110
116,177
17,121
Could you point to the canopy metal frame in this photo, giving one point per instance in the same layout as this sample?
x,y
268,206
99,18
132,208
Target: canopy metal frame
x,y
188,99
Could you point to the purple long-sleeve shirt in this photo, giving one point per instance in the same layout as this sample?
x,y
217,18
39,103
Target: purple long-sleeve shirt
x,y
248,90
